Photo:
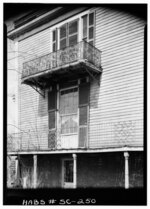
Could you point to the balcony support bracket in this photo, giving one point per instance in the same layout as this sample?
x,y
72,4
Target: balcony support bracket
x,y
94,77
40,92
37,87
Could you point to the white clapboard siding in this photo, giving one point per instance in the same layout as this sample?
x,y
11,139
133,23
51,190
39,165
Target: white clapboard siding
x,y
32,106
116,105
119,98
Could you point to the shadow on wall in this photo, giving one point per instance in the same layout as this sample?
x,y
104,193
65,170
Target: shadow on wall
x,y
95,91
94,96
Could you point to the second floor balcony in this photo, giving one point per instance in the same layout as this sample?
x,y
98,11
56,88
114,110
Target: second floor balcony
x,y
78,59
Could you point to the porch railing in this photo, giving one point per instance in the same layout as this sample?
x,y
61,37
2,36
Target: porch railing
x,y
79,52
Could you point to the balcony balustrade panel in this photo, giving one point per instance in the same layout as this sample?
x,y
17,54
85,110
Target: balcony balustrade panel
x,y
75,53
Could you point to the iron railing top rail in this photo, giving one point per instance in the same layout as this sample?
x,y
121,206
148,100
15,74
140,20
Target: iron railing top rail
x,y
92,46
30,60
81,46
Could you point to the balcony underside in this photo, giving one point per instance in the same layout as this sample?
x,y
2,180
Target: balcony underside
x,y
74,61
73,70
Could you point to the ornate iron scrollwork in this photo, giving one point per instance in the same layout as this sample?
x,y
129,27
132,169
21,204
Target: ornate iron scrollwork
x,y
82,50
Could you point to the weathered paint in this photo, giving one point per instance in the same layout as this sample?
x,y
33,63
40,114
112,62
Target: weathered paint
x,y
116,106
118,101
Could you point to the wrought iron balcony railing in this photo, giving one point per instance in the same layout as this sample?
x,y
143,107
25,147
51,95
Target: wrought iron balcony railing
x,y
81,52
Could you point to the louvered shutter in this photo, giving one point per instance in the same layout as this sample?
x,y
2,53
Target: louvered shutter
x,y
63,36
84,22
83,114
54,40
52,108
88,24
91,29
73,33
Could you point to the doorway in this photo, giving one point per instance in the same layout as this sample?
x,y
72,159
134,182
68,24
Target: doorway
x,y
67,173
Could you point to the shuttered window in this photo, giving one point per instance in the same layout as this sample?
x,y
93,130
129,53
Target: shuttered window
x,y
84,23
91,29
82,136
73,113
88,27
52,100
83,113
52,107
83,116
73,33
91,19
52,119
84,94
63,36
54,40
69,34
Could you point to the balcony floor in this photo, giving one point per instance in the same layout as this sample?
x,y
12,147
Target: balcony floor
x,y
75,69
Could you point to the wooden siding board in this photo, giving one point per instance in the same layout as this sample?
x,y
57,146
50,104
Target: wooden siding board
x,y
121,39
120,96
33,108
119,90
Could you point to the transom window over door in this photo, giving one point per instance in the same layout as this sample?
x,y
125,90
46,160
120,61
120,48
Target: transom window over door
x,y
69,111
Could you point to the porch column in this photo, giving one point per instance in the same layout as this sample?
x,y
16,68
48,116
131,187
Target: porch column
x,y
126,155
34,171
74,170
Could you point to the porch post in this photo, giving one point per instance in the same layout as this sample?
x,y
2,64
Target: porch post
x,y
34,171
74,170
126,155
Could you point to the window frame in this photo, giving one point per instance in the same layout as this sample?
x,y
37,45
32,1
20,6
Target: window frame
x,y
67,33
54,41
88,27
80,27
66,37
51,110
63,89
66,184
77,33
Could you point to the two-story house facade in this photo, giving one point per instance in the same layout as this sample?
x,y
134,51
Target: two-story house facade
x,y
80,98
